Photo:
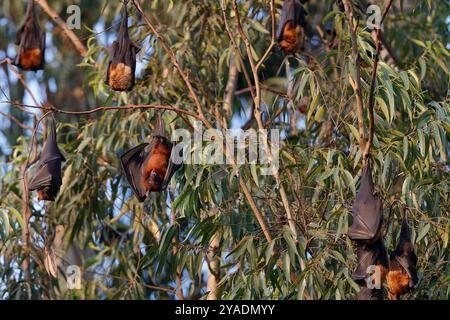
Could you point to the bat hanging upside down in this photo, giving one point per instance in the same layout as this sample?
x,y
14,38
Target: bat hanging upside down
x,y
367,211
149,167
47,178
31,41
402,275
122,59
291,29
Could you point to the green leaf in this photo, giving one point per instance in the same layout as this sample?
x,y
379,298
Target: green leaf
x,y
423,232
354,131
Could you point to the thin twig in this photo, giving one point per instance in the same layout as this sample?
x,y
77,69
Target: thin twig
x,y
98,109
194,96
257,100
371,102
356,83
174,60
61,23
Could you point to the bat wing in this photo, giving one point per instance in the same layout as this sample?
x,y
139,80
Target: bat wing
x,y
112,54
405,255
42,178
51,150
134,49
132,161
49,165
292,10
366,258
172,168
372,254
367,211
43,37
19,35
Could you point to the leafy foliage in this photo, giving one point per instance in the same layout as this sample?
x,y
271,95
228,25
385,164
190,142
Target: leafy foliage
x,y
139,251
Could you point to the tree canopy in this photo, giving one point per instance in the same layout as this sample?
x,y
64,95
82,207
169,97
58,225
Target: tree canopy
x,y
225,231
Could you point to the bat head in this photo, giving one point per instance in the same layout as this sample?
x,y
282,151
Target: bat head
x,y
154,182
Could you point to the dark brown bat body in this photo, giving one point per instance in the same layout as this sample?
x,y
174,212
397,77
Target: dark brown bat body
x,y
31,42
149,167
47,178
402,275
120,75
291,29
367,211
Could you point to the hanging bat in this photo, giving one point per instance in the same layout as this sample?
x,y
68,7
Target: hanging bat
x,y
122,59
149,167
402,275
47,179
291,29
367,211
31,41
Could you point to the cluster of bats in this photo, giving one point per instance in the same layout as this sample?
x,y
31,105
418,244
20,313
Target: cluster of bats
x,y
366,231
149,166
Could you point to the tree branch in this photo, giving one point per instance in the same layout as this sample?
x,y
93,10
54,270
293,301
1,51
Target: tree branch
x,y
356,84
257,108
174,60
377,39
194,96
79,46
